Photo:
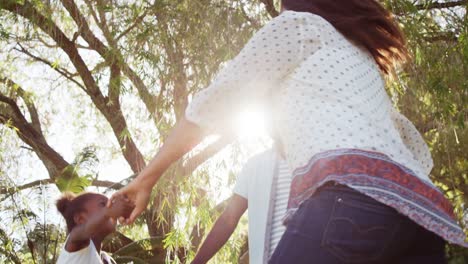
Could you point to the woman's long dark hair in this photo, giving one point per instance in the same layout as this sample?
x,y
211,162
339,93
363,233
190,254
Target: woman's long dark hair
x,y
365,22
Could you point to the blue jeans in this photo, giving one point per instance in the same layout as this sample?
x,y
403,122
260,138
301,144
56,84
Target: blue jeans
x,y
340,225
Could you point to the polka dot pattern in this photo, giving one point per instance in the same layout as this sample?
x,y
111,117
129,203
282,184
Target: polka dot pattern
x,y
325,93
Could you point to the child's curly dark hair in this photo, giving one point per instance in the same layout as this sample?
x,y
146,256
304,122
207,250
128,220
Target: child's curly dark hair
x,y
69,204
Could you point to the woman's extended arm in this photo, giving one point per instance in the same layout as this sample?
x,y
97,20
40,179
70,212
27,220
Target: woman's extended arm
x,y
183,137
267,59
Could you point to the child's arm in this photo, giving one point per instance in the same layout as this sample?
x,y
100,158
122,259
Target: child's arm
x,y
222,229
80,235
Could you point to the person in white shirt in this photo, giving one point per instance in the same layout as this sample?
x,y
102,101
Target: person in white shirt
x,y
89,221
263,188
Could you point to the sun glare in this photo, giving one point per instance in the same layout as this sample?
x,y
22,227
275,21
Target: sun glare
x,y
251,124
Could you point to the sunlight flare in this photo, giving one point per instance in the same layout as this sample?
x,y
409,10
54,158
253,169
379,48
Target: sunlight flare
x,y
251,124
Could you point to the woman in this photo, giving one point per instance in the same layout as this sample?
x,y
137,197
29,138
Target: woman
x,y
360,191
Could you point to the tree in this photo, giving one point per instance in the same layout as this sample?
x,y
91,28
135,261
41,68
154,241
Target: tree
x,y
128,70
432,92
108,51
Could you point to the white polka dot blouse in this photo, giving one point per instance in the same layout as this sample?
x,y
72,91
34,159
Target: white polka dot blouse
x,y
324,93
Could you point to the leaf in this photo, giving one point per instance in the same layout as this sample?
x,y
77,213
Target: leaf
x,y
55,64
69,181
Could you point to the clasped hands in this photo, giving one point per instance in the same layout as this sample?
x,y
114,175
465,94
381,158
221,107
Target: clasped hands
x,y
138,194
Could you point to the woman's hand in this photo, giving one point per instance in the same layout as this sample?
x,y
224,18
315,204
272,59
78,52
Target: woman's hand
x,y
183,137
138,194
120,207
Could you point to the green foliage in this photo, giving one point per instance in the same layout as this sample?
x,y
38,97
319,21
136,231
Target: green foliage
x,y
47,240
129,259
84,164
457,255
433,92
7,248
140,249
73,183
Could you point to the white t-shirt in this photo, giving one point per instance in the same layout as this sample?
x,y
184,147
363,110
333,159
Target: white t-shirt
x,y
265,215
88,255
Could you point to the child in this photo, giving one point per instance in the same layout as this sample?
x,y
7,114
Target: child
x,y
89,221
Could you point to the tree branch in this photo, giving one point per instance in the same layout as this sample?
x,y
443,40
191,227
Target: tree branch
x,y
145,95
103,23
138,20
36,124
112,113
28,11
194,162
439,5
114,84
93,12
95,183
11,254
176,64
253,22
447,37
270,7
52,160
432,5
29,104
104,51
110,56
65,73
197,234
12,103
84,29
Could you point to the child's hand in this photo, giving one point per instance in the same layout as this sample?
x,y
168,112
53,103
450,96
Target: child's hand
x,y
120,207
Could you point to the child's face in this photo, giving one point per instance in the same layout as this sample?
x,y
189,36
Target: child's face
x,y
94,206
